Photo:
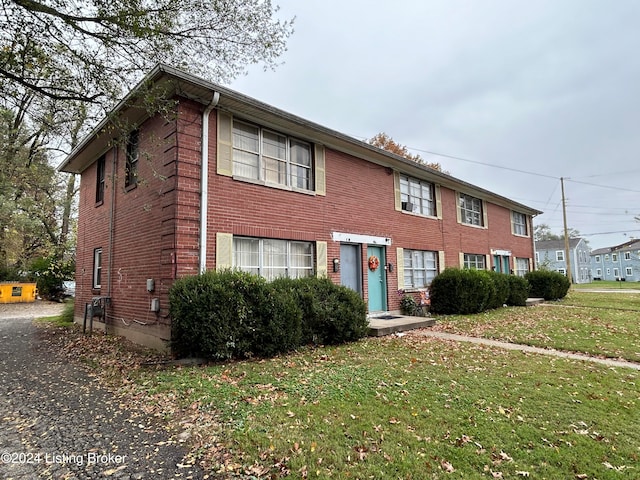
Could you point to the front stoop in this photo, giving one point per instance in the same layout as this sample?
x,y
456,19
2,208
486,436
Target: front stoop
x,y
534,301
380,326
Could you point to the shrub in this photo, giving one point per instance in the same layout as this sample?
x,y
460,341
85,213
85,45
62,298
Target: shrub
x,y
518,291
408,305
331,313
233,314
227,314
461,291
548,285
500,293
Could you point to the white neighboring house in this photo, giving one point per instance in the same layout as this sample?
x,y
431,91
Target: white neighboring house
x,y
550,255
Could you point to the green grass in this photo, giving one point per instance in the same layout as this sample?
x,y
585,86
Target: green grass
x,y
420,408
62,320
603,324
606,285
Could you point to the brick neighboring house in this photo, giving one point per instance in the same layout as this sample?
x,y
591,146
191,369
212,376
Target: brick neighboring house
x,y
270,193
550,254
621,262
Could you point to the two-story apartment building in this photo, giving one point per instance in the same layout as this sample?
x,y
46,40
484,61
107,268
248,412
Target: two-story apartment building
x,y
618,263
225,181
550,255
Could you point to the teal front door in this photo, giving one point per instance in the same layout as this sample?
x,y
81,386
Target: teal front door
x,y
377,281
501,264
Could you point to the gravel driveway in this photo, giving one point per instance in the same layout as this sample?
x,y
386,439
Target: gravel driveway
x,y
58,423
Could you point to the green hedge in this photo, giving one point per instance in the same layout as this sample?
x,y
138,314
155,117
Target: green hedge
x,y
547,284
500,294
331,314
461,291
469,291
233,314
518,291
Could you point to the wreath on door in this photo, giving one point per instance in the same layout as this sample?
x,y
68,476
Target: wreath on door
x,y
374,263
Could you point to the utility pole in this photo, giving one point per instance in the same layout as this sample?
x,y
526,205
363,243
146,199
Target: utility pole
x,y
566,232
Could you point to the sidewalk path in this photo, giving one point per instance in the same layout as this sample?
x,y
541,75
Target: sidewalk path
x,y
58,422
526,348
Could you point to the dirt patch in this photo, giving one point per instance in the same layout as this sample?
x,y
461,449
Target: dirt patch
x,y
39,308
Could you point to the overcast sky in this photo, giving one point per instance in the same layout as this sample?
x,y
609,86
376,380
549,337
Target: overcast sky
x,y
551,88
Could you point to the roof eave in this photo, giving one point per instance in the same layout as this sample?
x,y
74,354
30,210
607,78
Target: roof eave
x,y
189,86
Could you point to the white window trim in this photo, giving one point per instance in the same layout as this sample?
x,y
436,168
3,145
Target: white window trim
x,y
435,270
288,268
97,268
559,253
422,184
462,218
477,256
514,224
629,271
288,161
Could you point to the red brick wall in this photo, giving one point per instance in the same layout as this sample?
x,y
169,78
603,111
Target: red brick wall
x,y
156,225
360,200
144,225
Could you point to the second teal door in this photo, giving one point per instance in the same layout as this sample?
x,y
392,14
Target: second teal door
x,y
377,281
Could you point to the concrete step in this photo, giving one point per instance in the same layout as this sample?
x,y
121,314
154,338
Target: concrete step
x,y
534,301
388,324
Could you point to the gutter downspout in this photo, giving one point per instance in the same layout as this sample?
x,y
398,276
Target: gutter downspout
x,y
204,181
114,167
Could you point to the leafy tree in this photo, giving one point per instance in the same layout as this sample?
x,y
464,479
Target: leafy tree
x,y
63,64
385,142
89,50
543,232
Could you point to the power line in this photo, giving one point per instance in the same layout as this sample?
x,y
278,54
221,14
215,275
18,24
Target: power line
x,y
604,186
502,167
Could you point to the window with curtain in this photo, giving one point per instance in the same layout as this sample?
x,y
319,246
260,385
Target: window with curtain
x,y
420,268
522,266
272,258
272,157
519,223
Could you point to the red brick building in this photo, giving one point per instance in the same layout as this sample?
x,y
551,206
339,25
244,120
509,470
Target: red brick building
x,y
271,193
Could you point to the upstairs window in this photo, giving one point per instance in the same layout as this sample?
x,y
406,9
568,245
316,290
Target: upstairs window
x,y
262,154
597,258
131,166
614,257
560,255
470,209
417,196
627,255
519,223
100,165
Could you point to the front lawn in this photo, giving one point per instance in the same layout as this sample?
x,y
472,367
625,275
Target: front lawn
x,y
603,324
400,408
606,285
